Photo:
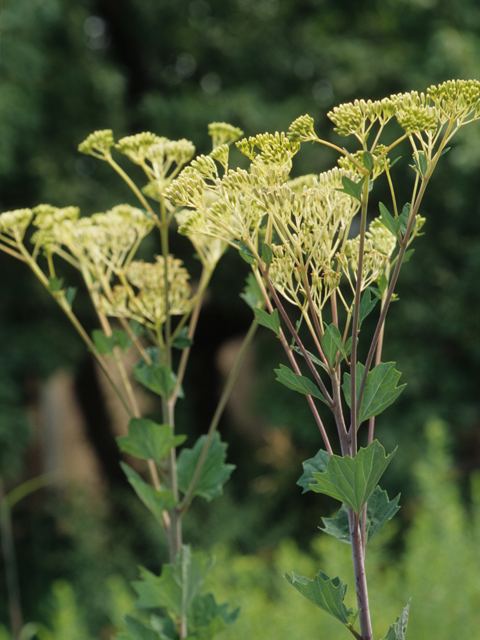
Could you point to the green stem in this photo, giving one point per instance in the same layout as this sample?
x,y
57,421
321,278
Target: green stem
x,y
227,390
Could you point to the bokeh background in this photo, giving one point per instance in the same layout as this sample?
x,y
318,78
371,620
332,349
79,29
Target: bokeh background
x,y
171,67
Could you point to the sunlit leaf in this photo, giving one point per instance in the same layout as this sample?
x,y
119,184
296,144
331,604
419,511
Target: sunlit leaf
x,y
398,630
353,480
324,593
379,510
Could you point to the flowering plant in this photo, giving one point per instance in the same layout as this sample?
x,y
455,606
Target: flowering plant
x,y
313,278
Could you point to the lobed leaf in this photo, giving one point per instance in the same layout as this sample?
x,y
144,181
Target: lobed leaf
x,y
380,389
182,339
207,618
298,383
353,480
148,440
325,593
269,320
214,471
106,344
317,464
379,510
388,221
158,378
252,293
398,630
178,585
155,501
352,189
332,344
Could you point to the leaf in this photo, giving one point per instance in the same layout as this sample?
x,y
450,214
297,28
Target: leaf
x,y
148,440
318,464
55,284
368,160
155,501
379,510
366,305
405,216
314,359
351,188
267,254
324,593
245,251
398,630
178,585
105,344
380,389
137,630
388,221
298,383
182,339
252,293
269,320
353,480
214,472
207,618
332,343
70,294
158,378
408,254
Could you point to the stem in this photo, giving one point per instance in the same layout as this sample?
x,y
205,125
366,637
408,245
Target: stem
x,y
356,312
358,556
232,376
11,572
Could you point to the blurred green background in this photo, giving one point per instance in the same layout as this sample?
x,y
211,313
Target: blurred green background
x,y
171,67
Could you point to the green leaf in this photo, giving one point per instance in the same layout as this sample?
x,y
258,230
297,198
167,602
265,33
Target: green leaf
x,y
207,618
423,163
388,221
332,343
182,339
380,389
70,294
252,293
353,480
313,358
324,593
155,501
398,630
404,217
178,585
351,188
105,344
269,320
366,305
379,510
55,284
318,464
214,471
338,527
137,630
158,378
408,254
267,254
368,160
298,383
148,440
245,251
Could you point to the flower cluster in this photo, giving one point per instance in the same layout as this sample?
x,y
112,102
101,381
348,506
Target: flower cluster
x,y
142,294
